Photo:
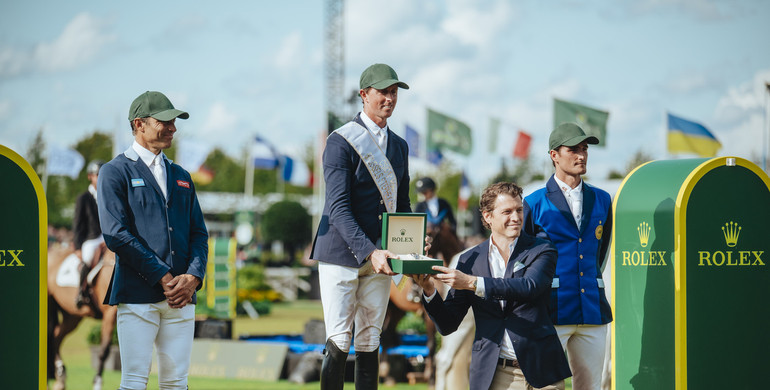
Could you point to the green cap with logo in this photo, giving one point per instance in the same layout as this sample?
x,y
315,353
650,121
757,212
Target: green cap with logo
x,y
569,134
156,105
380,76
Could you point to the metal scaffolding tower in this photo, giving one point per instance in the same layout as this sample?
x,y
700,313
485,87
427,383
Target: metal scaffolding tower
x,y
334,61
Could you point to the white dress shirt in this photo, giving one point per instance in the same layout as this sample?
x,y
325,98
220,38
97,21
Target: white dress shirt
x,y
93,192
380,134
574,198
151,159
432,206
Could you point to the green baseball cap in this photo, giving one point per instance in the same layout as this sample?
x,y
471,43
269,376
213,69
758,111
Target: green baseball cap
x,y
569,134
156,105
380,76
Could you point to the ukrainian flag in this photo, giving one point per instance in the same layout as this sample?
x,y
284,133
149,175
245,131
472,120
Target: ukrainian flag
x,y
690,137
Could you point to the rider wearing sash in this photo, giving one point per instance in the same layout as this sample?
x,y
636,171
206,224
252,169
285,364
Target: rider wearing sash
x,y
366,173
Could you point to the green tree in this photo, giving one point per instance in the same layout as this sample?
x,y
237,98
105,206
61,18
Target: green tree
x,y
228,173
34,155
523,172
288,222
639,158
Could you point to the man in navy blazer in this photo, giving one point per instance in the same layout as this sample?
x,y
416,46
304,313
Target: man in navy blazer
x,y
151,219
366,173
506,280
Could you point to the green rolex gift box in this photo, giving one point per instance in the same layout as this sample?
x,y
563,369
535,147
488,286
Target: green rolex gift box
x,y
404,235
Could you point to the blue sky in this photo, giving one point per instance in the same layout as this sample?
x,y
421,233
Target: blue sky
x,y
242,68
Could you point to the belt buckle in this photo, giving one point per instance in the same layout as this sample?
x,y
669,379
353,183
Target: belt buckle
x,y
508,362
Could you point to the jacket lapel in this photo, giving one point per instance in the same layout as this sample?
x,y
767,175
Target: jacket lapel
x,y
148,177
518,250
171,184
588,205
481,265
144,170
557,198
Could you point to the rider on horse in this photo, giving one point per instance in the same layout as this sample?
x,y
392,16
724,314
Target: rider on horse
x,y
88,239
438,209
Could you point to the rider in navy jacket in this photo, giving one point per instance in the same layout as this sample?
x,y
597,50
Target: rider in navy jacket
x,y
130,206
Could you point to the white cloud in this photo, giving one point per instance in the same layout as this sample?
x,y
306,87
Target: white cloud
x,y
220,121
742,100
5,109
688,83
744,139
12,61
701,9
80,42
740,117
474,24
291,52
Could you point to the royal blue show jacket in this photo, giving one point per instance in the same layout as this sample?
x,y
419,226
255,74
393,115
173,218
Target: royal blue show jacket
x,y
577,291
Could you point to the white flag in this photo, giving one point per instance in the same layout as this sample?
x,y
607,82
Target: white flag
x,y
65,162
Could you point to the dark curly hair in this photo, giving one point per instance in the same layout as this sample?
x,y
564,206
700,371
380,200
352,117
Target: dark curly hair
x,y
488,197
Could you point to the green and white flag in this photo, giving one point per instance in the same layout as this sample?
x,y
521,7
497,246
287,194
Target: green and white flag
x,y
592,120
447,133
494,129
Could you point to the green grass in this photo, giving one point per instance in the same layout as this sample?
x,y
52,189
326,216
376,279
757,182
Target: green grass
x,y
283,319
288,318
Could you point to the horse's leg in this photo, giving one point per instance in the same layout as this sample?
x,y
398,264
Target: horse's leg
x,y
67,325
53,348
108,325
389,339
430,330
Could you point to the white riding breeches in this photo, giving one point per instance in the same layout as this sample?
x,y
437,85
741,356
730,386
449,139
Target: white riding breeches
x,y
142,325
353,296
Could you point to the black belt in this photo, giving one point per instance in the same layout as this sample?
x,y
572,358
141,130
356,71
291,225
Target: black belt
x,y
507,363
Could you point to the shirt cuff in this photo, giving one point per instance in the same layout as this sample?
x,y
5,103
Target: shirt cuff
x,y
430,298
480,291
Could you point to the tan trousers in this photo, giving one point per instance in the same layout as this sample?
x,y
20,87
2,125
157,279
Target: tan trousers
x,y
453,359
511,378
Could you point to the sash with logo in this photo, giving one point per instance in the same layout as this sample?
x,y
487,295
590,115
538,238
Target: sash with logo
x,y
361,139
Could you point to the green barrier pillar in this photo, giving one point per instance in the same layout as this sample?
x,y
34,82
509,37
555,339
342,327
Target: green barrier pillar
x,y
220,277
690,277
23,272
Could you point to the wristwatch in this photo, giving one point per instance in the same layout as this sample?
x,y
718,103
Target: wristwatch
x,y
475,282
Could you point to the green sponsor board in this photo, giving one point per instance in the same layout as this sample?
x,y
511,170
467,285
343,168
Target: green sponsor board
x,y
220,277
689,276
235,359
23,248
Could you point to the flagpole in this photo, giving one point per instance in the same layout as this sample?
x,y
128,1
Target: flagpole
x,y
248,188
45,167
280,184
766,129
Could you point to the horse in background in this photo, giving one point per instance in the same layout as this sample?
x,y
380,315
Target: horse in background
x,y
64,315
444,245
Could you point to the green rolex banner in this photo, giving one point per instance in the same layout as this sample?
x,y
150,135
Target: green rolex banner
x,y
592,120
23,272
447,133
690,266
